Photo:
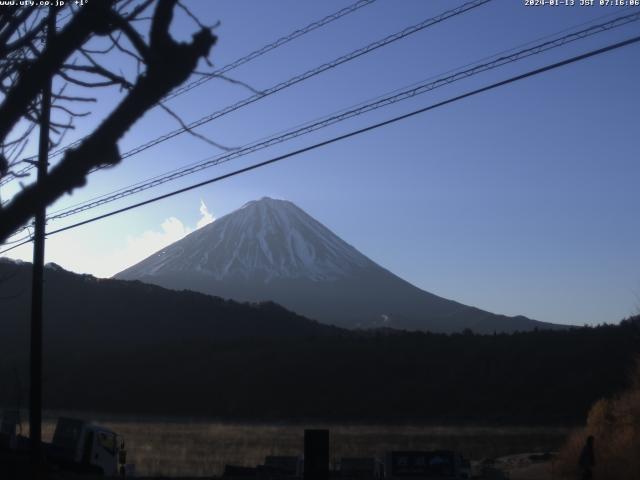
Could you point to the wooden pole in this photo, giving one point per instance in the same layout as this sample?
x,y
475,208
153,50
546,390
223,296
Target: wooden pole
x,y
35,390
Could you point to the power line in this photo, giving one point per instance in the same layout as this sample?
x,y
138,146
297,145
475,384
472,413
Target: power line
x,y
298,78
344,115
353,133
267,48
312,73
227,68
16,246
251,56
20,240
475,63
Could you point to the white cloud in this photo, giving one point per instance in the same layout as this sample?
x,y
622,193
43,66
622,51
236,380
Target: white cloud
x,y
207,217
80,255
149,242
139,247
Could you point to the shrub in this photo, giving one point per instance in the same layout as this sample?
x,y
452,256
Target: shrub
x,y
615,424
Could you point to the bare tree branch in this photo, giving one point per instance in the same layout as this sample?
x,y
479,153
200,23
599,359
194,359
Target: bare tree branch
x,y
192,132
93,17
168,64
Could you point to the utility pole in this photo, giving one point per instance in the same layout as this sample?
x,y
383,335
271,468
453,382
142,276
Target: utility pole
x,y
35,391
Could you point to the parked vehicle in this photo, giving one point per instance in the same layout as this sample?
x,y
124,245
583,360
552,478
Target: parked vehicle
x,y
420,465
77,443
77,446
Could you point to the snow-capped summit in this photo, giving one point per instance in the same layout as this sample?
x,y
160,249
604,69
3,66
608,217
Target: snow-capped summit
x,y
263,240
272,250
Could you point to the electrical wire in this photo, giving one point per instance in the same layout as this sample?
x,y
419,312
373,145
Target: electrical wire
x,y
291,81
267,48
247,58
353,133
370,100
311,73
344,115
227,68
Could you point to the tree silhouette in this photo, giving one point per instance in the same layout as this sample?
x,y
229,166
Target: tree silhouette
x,y
135,31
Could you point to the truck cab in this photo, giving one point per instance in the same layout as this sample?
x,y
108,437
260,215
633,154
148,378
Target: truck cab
x,y
79,445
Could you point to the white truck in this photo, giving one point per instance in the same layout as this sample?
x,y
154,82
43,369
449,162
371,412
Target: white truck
x,y
77,446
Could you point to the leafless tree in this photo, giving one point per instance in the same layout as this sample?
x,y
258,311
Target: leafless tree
x,y
77,59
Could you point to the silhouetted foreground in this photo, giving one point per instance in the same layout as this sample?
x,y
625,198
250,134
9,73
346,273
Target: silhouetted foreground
x,y
124,347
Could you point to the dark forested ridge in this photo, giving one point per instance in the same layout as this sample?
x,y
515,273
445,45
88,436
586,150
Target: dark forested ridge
x,y
272,364
114,314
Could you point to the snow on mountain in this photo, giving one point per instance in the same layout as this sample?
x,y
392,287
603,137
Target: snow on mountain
x,y
263,240
272,250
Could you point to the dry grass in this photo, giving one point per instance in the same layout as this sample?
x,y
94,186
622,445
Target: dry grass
x,y
615,424
203,448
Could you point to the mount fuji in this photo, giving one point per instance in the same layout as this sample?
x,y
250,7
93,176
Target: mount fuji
x,y
272,250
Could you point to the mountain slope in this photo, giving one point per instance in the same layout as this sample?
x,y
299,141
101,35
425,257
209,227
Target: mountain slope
x,y
263,241
84,310
272,250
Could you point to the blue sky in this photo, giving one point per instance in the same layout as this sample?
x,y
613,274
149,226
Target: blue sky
x,y
519,201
